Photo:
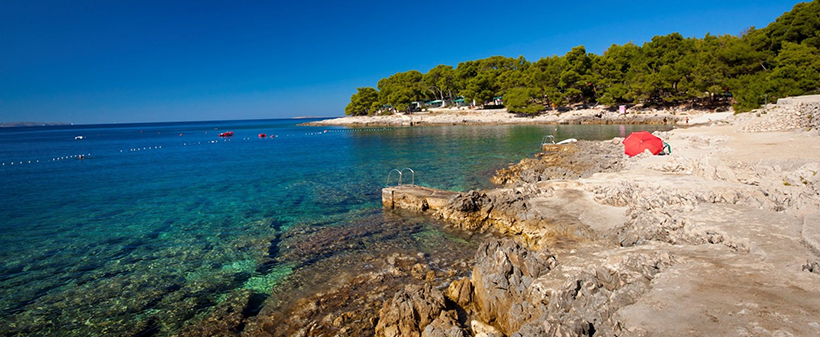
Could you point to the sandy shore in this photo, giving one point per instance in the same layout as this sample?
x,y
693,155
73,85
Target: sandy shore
x,y
501,117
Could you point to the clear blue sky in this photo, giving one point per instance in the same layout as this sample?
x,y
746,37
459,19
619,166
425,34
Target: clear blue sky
x,y
144,61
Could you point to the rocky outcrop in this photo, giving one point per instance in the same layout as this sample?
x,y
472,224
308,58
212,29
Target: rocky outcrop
x,y
446,325
460,292
587,302
502,277
515,291
812,267
498,298
410,311
469,211
657,212
561,162
525,212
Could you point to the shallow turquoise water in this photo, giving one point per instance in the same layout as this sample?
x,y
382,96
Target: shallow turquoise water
x,y
161,220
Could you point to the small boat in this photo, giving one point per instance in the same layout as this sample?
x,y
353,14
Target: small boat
x,y
262,135
79,137
226,134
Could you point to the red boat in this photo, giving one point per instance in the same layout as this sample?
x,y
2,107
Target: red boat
x,y
226,134
262,135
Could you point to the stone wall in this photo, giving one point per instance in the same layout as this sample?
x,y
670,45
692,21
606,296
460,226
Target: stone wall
x,y
789,114
815,116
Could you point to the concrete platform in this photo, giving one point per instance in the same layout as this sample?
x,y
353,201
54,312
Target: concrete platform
x,y
415,198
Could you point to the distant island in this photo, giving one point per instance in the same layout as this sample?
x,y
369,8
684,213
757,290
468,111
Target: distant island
x,y
16,124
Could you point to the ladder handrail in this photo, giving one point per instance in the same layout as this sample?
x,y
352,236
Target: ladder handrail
x,y
388,177
551,138
412,175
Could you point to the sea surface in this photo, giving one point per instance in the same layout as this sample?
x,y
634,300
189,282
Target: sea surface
x,y
158,223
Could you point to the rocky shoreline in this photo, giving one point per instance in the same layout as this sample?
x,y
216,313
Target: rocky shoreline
x,y
599,115
722,237
719,238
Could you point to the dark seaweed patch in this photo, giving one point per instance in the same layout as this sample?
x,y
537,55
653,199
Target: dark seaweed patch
x,y
151,329
255,304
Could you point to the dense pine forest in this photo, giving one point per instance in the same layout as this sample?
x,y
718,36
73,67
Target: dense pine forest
x,y
759,65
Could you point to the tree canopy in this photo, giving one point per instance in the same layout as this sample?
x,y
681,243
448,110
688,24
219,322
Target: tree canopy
x,y
779,60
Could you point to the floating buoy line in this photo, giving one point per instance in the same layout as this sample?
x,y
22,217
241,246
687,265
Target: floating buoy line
x,y
83,156
352,130
135,149
53,159
215,141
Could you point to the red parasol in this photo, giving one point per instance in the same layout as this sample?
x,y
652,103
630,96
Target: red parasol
x,y
637,142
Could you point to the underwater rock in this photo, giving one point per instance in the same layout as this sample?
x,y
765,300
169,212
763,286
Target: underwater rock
x,y
227,318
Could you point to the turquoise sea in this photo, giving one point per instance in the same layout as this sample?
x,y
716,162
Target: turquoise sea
x,y
159,222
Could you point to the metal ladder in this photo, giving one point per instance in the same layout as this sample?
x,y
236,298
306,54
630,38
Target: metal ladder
x,y
548,139
400,173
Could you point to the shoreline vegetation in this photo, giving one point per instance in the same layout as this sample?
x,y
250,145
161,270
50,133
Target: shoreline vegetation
x,y
711,73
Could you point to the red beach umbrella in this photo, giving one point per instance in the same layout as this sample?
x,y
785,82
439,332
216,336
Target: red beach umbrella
x,y
637,142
